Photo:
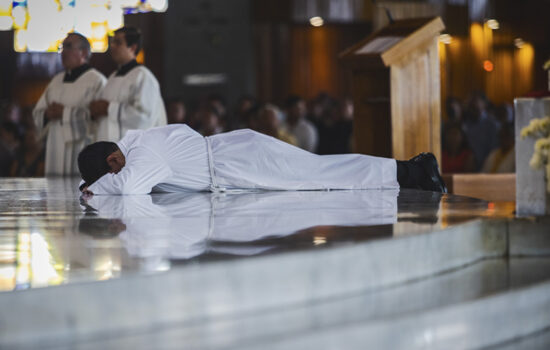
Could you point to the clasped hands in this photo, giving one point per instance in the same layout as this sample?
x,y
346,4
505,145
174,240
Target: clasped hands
x,y
54,111
98,109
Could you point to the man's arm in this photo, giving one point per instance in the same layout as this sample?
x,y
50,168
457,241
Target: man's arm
x,y
144,169
39,111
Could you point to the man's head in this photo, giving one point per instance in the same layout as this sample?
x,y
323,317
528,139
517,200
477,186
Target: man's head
x,y
125,45
295,109
75,51
175,111
98,159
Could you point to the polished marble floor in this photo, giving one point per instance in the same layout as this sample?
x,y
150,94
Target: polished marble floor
x,y
50,235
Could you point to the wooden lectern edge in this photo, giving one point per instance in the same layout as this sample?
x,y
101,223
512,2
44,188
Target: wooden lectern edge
x,y
349,53
422,35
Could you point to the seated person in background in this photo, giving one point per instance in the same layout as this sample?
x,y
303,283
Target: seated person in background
x,y
176,158
298,126
29,160
336,128
209,121
242,112
456,155
268,124
480,128
175,111
502,159
9,142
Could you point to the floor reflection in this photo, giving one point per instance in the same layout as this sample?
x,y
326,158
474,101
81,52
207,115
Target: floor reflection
x,y
50,236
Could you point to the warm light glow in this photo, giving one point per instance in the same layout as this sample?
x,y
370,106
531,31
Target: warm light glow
x,y
43,272
20,40
445,39
493,24
319,240
488,66
477,39
316,21
518,42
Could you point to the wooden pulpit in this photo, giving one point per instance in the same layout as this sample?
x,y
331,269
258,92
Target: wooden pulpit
x,y
396,89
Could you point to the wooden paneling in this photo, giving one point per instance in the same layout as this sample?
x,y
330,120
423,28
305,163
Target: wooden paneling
x,y
490,187
415,111
371,120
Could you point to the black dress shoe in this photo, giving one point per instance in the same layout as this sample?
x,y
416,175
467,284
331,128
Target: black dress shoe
x,y
432,180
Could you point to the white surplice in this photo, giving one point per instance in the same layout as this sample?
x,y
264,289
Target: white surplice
x,y
66,137
135,102
176,158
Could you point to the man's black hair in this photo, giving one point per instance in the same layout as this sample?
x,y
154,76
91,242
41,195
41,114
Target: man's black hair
x,y
84,43
132,36
92,161
292,101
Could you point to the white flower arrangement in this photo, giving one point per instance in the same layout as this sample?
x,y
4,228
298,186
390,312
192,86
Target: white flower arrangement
x,y
539,129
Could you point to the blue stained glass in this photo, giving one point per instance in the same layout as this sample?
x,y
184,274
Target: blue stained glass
x,y
19,3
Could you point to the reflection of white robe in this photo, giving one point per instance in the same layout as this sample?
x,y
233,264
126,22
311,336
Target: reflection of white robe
x,y
135,102
175,158
181,225
67,136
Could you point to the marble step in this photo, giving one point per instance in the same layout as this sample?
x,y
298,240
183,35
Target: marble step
x,y
227,290
486,303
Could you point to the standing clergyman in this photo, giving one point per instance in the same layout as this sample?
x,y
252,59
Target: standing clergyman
x,y
131,99
62,111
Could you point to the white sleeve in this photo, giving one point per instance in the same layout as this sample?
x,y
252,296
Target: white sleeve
x,y
137,112
40,109
144,169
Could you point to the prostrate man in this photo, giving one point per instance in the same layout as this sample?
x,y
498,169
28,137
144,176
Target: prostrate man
x,y
176,158
298,126
62,111
131,99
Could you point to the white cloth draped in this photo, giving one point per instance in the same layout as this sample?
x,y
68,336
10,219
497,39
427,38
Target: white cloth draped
x,y
66,137
175,158
135,102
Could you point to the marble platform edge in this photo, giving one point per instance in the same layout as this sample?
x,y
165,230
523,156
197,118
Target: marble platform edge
x,y
243,285
529,236
539,340
479,280
471,325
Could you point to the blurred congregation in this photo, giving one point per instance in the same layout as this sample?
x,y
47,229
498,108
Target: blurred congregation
x,y
478,136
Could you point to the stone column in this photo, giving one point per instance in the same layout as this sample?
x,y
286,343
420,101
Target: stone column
x,y
531,195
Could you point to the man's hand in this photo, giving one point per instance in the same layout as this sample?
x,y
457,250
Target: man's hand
x,y
86,193
54,111
98,109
